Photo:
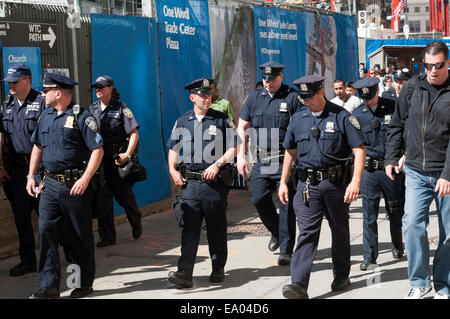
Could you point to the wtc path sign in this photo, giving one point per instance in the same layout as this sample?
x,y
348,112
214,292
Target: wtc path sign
x,y
28,34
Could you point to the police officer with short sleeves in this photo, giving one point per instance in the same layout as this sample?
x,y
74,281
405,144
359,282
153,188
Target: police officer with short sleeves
x,y
322,136
18,119
266,111
207,142
374,117
67,141
119,130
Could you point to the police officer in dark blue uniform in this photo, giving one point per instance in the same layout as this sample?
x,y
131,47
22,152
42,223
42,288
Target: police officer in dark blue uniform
x,y
18,119
374,117
400,77
119,130
67,141
322,137
267,111
207,141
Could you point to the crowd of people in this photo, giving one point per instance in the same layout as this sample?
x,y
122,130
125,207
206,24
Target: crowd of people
x,y
317,155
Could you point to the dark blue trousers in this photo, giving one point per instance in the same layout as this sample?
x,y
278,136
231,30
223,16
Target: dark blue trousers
x,y
56,207
326,198
372,185
122,191
281,225
22,206
200,199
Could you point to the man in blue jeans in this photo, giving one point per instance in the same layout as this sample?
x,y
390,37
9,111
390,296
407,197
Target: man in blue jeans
x,y
421,123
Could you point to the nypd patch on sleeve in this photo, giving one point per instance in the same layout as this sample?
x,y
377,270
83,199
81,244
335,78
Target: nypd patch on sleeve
x,y
354,122
127,112
91,123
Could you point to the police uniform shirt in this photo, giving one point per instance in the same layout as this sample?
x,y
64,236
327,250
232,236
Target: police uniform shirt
x,y
18,122
66,144
215,129
389,94
116,122
374,126
339,133
265,111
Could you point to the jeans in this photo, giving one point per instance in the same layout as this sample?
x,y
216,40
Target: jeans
x,y
418,197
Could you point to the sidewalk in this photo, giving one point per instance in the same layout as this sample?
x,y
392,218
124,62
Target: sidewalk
x,y
137,269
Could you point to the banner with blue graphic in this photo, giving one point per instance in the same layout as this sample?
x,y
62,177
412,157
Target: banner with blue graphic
x,y
125,48
31,56
185,54
280,37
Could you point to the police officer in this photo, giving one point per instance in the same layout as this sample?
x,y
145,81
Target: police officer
x,y
400,78
374,117
208,142
67,141
267,111
322,136
18,119
119,130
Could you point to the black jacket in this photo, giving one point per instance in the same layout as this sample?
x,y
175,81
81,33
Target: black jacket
x,y
420,128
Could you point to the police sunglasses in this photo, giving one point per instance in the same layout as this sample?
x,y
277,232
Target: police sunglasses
x,y
438,66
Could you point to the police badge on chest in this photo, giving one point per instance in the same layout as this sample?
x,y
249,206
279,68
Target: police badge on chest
x,y
69,122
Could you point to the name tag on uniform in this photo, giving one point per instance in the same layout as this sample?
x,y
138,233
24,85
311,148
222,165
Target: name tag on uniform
x,y
387,119
283,107
115,114
69,122
212,130
330,127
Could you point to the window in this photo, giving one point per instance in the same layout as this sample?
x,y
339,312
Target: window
x,y
427,9
414,26
427,26
406,10
416,9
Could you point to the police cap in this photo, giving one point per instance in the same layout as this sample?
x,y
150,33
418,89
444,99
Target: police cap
x,y
102,81
57,81
16,72
309,85
270,70
401,75
200,86
367,87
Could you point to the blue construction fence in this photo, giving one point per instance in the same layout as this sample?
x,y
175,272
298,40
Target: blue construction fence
x,y
152,60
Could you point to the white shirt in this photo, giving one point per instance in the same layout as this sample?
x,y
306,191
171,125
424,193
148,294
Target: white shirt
x,y
352,102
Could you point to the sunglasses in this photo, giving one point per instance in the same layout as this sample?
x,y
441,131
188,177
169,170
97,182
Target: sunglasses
x,y
438,66
45,91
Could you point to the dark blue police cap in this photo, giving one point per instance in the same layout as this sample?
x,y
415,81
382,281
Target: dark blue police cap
x,y
309,85
200,86
401,75
16,72
102,81
57,81
367,87
270,70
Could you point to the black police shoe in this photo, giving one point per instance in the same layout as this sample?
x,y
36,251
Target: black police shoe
x,y
137,231
181,278
295,291
366,264
105,242
284,259
45,293
22,269
217,275
273,243
340,284
397,253
81,292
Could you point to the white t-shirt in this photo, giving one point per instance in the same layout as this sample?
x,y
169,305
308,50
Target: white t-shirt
x,y
352,103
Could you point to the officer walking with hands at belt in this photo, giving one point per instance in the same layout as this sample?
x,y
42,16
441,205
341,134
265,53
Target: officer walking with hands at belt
x,y
268,110
18,119
322,136
374,117
67,141
208,142
119,130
